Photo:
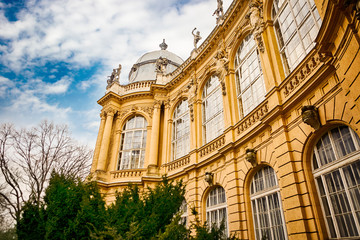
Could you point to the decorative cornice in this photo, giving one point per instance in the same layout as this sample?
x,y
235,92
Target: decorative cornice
x,y
299,75
253,117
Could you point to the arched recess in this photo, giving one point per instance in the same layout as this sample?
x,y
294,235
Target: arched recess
x,y
263,204
331,159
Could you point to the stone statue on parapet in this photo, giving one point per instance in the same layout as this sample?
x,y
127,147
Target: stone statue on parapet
x,y
115,76
219,12
160,65
197,37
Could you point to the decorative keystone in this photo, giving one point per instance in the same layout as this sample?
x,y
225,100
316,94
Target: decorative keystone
x,y
310,116
251,156
209,178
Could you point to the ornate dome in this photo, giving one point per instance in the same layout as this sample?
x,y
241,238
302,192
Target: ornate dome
x,y
151,63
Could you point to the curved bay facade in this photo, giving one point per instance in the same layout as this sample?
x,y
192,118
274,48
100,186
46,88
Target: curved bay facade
x,y
261,122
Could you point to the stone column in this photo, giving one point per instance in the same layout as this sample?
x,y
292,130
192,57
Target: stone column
x,y
166,146
115,146
155,132
105,139
98,142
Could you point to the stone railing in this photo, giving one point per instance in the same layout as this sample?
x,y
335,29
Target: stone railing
x,y
178,163
213,145
306,68
137,87
127,173
253,117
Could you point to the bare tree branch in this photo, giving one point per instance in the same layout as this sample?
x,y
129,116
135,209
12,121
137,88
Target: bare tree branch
x,y
27,158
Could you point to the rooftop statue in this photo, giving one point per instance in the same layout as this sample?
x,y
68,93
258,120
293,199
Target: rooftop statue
x,y
115,76
197,37
219,10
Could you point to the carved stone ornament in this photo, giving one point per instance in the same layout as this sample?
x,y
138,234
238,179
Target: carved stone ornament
x,y
310,116
209,177
251,156
221,62
191,107
255,15
192,88
356,6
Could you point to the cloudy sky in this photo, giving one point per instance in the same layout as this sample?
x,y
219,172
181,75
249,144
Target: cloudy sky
x,y
55,55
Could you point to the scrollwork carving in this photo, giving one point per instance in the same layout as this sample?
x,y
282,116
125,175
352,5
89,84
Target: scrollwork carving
x,y
255,15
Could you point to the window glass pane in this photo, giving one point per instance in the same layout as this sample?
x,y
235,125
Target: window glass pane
x,y
216,208
266,206
250,84
213,119
297,24
133,144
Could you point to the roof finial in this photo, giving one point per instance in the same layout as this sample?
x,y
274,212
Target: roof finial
x,y
163,45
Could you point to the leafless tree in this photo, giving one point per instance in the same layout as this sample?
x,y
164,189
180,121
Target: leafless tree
x,y
27,158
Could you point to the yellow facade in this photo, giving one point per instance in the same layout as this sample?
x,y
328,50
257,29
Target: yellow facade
x,y
327,78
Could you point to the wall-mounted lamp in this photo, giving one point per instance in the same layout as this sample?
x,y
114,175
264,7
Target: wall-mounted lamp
x,y
310,116
251,156
209,178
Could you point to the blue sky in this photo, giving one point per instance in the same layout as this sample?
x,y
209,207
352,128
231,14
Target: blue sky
x,y
55,55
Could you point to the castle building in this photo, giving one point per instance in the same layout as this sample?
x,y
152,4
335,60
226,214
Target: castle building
x,y
261,122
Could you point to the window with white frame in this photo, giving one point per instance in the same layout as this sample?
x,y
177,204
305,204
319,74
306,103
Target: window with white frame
x,y
133,144
213,117
216,212
181,130
336,169
184,213
297,23
249,78
266,206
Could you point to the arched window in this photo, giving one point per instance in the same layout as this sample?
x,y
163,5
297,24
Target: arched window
x,y
213,118
181,130
266,206
336,168
133,144
216,208
249,78
297,23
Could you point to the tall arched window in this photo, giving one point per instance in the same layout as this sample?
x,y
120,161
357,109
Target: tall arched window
x,y
297,23
216,208
336,168
213,117
133,144
266,206
181,130
249,78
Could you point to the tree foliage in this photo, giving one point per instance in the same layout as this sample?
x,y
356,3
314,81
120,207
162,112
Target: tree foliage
x,y
73,209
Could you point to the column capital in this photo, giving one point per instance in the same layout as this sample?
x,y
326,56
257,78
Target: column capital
x,y
102,115
110,111
157,104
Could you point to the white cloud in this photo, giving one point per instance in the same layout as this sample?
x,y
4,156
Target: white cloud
x,y
58,87
5,85
111,31
82,33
